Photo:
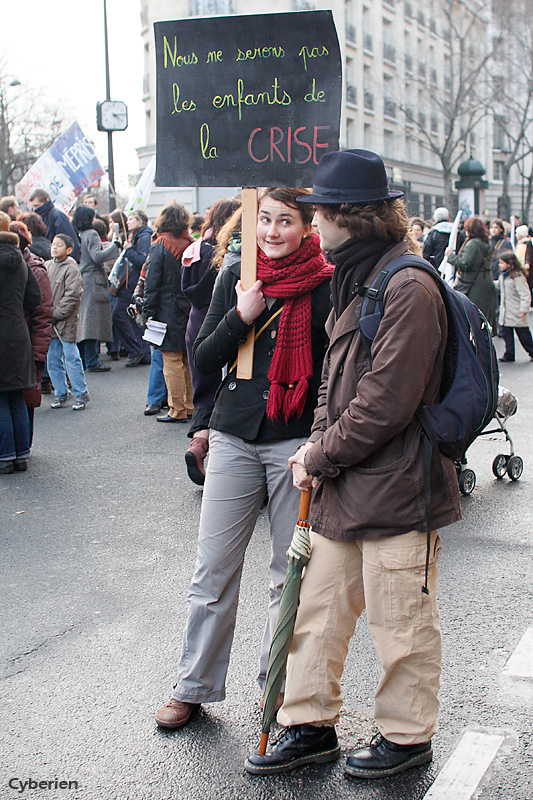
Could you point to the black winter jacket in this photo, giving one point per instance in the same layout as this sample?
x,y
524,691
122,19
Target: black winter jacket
x,y
240,405
136,253
164,300
20,294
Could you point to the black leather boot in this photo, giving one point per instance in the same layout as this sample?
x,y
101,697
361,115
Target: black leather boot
x,y
297,745
383,758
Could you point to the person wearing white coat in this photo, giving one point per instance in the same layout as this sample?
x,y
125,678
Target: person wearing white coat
x,y
515,300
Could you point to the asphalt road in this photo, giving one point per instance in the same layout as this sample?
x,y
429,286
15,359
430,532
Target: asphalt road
x,y
97,548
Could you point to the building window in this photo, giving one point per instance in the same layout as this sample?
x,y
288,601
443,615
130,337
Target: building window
x,y
428,206
389,106
350,133
367,137
367,36
368,95
349,21
408,11
387,144
434,124
351,91
498,171
389,53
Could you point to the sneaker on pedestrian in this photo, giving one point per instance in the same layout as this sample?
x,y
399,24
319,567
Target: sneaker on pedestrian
x,y
61,400
134,361
383,758
80,402
99,368
6,467
20,464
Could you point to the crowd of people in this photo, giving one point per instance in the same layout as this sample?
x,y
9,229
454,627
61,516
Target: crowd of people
x,y
316,413
492,265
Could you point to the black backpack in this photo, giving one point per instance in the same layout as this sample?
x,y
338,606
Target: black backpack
x,y
469,386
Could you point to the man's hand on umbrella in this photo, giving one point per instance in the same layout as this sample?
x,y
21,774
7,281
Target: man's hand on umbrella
x,y
301,479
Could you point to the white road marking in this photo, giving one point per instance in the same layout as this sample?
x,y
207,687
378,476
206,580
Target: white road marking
x,y
463,771
520,663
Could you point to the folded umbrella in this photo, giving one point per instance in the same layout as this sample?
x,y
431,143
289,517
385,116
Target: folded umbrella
x,y
298,556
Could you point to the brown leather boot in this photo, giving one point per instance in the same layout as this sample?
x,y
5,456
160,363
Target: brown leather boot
x,y
194,459
175,714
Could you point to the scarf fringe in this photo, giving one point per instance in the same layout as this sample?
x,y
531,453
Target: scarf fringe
x,y
275,401
290,402
294,402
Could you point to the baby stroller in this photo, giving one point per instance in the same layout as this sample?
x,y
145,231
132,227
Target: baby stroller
x,y
511,465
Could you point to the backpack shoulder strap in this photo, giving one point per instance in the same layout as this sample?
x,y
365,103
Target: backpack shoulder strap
x,y
372,306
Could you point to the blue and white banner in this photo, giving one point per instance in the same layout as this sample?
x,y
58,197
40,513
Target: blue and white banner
x,y
65,170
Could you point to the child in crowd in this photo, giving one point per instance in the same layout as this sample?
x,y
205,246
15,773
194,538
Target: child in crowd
x,y
63,355
515,299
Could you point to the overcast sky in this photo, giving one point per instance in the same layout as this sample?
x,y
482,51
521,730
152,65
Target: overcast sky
x,y
57,46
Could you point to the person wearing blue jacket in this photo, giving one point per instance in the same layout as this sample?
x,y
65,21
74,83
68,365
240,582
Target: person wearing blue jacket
x,y
136,252
54,219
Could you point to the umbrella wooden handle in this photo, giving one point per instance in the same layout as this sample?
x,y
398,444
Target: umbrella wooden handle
x,y
305,502
263,744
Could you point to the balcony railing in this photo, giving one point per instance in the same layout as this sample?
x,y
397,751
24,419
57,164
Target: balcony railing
x,y
369,101
389,108
351,94
350,33
389,53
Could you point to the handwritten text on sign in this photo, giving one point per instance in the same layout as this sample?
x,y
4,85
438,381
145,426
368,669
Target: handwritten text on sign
x,y
246,100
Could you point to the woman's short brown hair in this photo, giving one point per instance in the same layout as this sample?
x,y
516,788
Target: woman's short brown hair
x,y
34,223
386,219
173,219
476,228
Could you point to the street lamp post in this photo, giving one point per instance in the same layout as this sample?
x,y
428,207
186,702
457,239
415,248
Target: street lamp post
x,y
110,161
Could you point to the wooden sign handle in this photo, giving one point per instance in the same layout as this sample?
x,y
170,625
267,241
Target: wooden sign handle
x,y
245,358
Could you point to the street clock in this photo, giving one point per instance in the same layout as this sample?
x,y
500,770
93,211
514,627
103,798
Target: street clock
x,y
111,115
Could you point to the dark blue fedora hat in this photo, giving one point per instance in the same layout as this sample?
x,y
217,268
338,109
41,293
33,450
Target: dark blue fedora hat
x,y
350,176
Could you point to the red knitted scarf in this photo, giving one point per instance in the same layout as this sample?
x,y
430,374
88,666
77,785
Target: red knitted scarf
x,y
292,279
176,244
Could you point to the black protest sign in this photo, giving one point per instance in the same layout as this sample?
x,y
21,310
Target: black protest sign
x,y
246,100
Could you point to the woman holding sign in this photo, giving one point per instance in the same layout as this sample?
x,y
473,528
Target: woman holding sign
x,y
255,426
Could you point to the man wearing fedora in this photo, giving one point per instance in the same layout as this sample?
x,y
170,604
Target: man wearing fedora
x,y
364,458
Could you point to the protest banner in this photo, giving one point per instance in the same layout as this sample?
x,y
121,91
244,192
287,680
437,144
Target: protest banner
x,y
246,101
65,170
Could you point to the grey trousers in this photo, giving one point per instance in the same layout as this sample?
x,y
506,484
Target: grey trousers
x,y
238,476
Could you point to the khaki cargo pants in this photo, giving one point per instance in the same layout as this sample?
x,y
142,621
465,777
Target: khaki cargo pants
x,y
385,576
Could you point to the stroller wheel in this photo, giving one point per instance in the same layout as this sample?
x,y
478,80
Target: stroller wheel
x,y
515,467
467,481
499,465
